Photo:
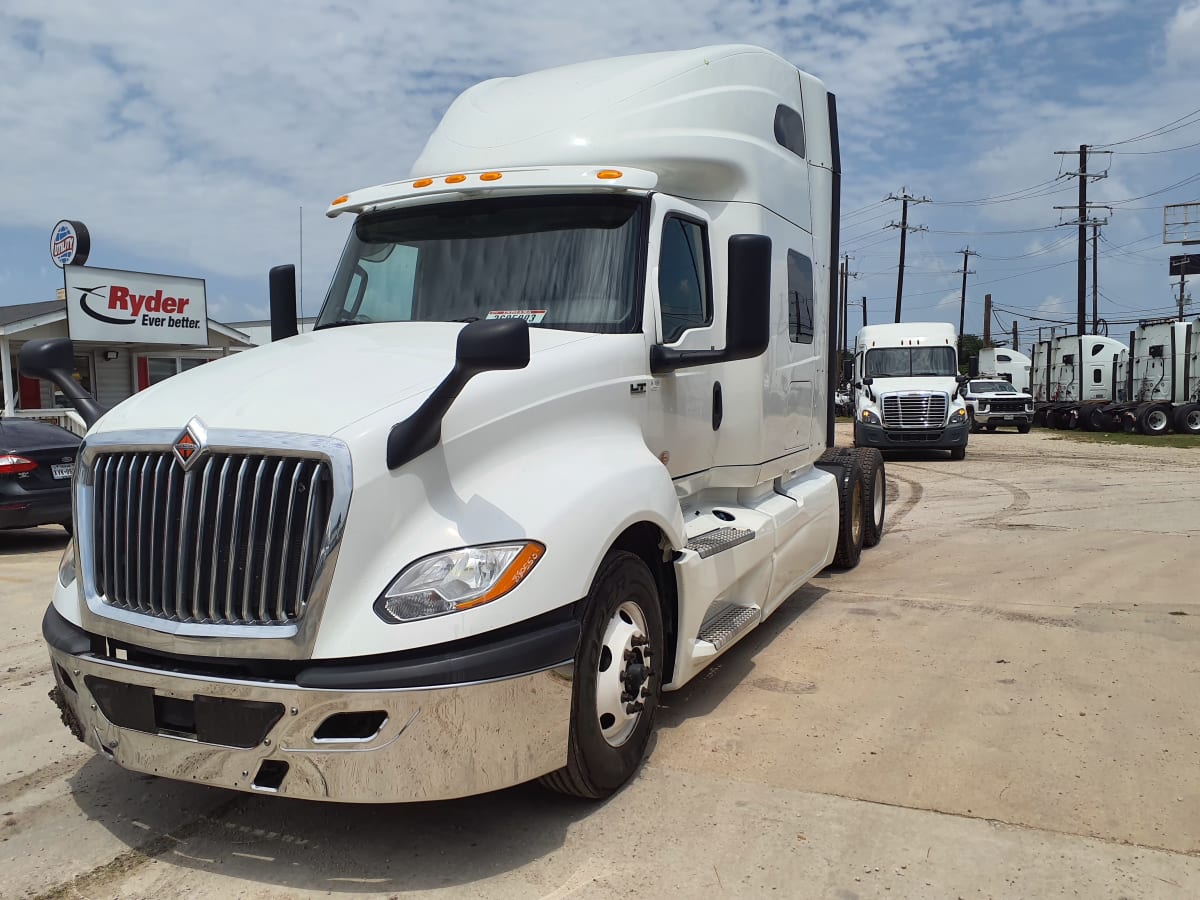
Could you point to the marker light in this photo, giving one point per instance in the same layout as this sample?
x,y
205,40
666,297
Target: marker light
x,y
609,173
340,200
422,182
455,179
490,176
457,580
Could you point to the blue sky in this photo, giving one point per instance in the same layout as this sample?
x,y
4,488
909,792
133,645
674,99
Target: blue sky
x,y
189,141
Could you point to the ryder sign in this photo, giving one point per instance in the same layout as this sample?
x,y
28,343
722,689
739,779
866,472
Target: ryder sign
x,y
135,307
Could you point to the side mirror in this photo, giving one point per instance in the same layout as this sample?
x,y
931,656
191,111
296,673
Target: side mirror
x,y
53,360
493,344
484,346
282,280
747,310
868,380
962,379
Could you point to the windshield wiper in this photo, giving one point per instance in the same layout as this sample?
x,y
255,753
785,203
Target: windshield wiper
x,y
337,323
467,319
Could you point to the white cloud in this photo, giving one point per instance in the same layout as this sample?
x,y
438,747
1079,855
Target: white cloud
x,y
1183,37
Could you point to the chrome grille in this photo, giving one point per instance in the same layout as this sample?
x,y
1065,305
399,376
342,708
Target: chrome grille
x,y
915,410
235,540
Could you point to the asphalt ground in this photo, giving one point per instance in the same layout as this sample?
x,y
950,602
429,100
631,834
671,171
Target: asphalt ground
x,y
1002,700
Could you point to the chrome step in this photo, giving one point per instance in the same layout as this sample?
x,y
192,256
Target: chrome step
x,y
727,625
718,539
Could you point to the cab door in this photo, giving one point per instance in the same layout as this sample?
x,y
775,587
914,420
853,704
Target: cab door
x,y
686,406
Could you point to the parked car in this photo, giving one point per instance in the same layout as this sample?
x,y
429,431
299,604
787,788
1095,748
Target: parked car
x,y
36,463
992,402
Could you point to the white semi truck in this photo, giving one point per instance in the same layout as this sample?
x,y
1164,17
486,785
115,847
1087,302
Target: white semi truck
x,y
907,390
1163,386
561,437
1151,388
1011,365
1075,374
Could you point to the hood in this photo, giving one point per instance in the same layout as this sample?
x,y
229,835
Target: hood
x,y
315,383
942,383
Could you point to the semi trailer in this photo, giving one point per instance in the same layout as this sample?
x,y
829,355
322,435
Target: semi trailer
x,y
562,436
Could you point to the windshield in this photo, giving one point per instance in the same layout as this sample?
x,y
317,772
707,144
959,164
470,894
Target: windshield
x,y
896,362
571,263
992,387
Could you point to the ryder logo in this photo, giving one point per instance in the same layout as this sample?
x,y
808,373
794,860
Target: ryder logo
x,y
117,304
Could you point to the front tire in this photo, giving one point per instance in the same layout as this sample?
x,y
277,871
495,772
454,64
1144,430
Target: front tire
x,y
618,677
958,453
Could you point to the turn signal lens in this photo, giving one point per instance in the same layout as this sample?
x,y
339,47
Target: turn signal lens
x,y
609,173
422,182
455,179
490,176
340,200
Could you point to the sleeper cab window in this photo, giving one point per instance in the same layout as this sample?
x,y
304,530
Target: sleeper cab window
x,y
789,129
800,298
684,295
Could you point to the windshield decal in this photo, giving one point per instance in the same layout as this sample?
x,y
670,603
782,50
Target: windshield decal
x,y
532,316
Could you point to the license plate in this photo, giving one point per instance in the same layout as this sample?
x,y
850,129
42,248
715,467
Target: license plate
x,y
62,471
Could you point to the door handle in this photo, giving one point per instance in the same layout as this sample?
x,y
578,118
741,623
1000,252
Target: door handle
x,y
718,409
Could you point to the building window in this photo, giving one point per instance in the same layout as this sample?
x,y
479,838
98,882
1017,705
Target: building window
x,y
800,298
683,284
160,368
789,129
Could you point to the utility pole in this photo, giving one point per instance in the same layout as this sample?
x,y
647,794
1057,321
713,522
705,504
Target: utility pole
x,y
843,318
1095,279
962,300
1014,341
1082,221
987,320
905,198
1182,282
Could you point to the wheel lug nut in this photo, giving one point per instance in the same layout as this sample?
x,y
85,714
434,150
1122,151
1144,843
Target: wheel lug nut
x,y
635,708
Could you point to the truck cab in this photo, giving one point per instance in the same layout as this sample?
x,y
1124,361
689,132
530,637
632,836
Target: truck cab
x,y
907,390
560,438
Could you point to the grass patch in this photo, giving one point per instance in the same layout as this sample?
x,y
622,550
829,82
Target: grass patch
x,y
845,420
1189,441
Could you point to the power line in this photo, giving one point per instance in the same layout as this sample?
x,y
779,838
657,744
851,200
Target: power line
x,y
1156,132
1150,152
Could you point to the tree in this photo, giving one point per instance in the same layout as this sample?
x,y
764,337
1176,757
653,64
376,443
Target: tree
x,y
971,345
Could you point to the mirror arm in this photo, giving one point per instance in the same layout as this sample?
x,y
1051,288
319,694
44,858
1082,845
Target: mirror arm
x,y
422,431
665,359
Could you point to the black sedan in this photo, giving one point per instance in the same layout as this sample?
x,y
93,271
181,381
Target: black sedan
x,y
36,462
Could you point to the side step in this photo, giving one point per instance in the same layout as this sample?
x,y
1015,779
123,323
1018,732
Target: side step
x,y
719,539
728,624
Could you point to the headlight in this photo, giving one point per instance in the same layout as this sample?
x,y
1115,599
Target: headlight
x,y
868,417
457,579
66,565
958,416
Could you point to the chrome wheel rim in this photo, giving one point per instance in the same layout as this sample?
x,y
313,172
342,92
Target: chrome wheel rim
x,y
623,674
1156,420
877,501
856,515
1192,421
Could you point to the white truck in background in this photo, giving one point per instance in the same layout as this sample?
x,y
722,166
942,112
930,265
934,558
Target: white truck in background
x,y
561,437
907,390
1071,374
1011,365
1157,384
993,401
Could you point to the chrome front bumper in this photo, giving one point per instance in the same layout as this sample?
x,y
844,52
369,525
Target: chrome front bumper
x,y
434,744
